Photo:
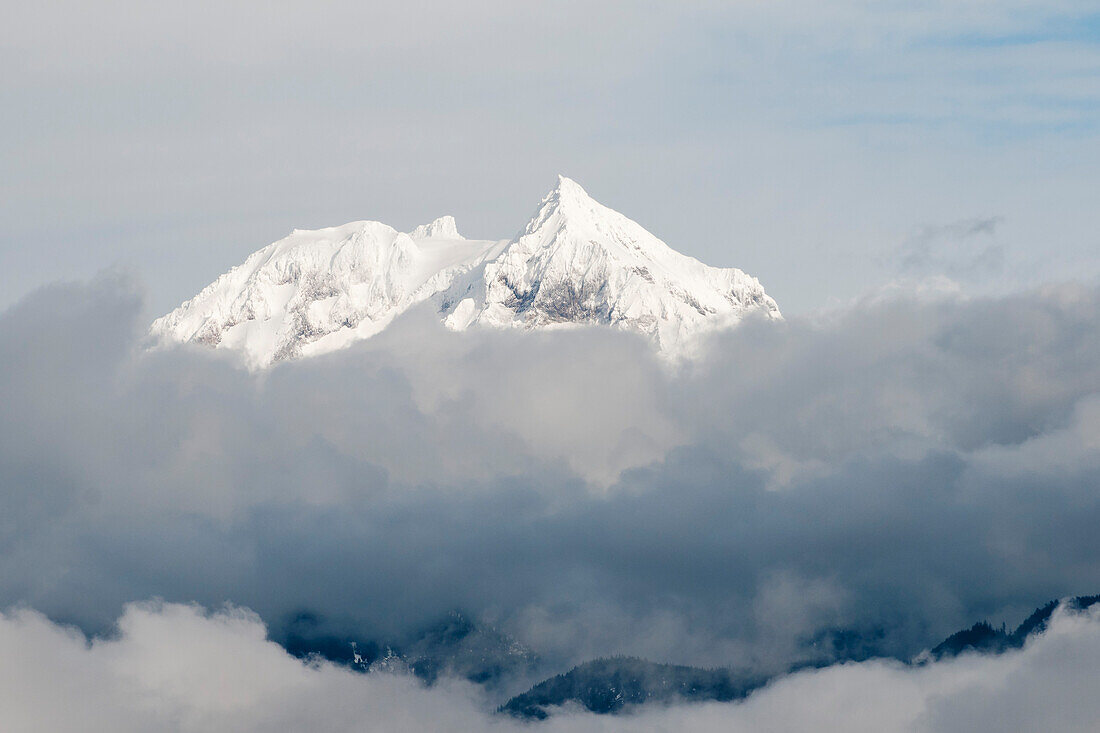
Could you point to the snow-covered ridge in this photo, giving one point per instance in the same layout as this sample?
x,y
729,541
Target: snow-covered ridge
x,y
575,262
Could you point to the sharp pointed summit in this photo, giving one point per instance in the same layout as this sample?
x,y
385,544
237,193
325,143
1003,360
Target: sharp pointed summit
x,y
569,191
576,262
567,199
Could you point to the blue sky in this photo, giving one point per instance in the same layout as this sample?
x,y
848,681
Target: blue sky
x,y
805,143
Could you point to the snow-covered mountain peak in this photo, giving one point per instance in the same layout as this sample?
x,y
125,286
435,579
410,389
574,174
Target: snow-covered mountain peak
x,y
580,262
442,228
576,262
318,290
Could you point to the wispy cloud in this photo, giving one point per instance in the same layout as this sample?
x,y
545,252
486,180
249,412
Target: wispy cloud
x,y
965,249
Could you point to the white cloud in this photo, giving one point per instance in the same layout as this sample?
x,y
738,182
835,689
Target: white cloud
x,y
176,667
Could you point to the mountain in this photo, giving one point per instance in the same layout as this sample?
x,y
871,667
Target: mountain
x,y
453,646
575,262
578,261
615,684
983,637
459,647
320,290
456,646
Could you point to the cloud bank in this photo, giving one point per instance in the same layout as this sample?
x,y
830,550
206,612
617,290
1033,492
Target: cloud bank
x,y
889,473
178,667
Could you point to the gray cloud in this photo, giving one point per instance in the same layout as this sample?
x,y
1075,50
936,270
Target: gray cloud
x,y
900,470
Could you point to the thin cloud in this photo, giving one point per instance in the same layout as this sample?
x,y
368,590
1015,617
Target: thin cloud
x,y
964,249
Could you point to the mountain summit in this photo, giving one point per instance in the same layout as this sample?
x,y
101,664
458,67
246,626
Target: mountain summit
x,y
575,262
578,261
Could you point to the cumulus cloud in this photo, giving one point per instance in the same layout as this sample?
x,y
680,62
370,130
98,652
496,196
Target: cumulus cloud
x,y
895,471
178,667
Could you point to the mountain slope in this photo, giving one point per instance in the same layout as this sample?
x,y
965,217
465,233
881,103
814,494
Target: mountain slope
x,y
575,262
983,637
616,684
317,291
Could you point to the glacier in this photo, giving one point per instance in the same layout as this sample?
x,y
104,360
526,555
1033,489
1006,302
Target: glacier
x,y
576,262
